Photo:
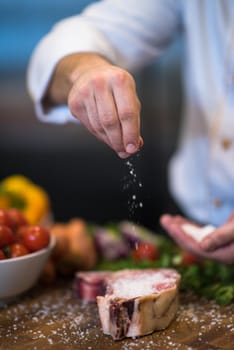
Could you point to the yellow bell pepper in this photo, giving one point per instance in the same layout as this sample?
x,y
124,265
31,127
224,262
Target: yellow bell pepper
x,y
17,191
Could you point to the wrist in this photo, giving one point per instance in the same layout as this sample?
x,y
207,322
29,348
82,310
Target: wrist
x,y
82,62
67,71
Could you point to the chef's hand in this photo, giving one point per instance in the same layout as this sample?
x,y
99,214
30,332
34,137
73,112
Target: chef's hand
x,y
218,245
222,237
102,96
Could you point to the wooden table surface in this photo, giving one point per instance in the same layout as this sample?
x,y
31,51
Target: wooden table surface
x,y
53,318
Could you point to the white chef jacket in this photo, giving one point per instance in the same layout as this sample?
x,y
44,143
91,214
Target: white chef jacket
x,y
131,33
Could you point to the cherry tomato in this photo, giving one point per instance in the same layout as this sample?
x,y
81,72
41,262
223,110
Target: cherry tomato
x,y
189,259
17,218
2,255
35,237
145,251
6,236
5,218
18,249
20,233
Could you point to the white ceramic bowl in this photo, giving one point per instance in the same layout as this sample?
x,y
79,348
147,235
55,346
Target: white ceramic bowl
x,y
17,275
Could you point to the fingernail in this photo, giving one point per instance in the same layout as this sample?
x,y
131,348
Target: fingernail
x,y
123,155
131,148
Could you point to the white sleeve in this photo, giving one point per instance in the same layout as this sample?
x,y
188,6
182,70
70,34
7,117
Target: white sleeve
x,y
130,33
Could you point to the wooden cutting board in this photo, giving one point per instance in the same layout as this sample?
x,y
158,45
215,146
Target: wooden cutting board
x,y
53,318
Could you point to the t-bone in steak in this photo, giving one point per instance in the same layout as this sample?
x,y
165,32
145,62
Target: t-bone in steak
x,y
132,303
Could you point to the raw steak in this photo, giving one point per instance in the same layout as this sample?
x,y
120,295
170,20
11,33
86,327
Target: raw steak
x,y
132,303
88,285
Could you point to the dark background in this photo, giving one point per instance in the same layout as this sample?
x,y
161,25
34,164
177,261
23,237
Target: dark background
x,y
82,176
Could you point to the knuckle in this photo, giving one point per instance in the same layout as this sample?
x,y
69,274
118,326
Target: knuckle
x,y
108,120
127,115
98,82
98,128
84,92
96,125
119,77
77,99
74,104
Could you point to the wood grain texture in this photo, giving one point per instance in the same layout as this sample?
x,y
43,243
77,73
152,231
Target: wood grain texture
x,y
53,318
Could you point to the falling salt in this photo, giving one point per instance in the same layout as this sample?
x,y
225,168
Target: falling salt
x,y
132,185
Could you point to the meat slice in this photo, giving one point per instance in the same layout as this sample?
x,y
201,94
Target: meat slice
x,y
131,303
138,302
88,285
